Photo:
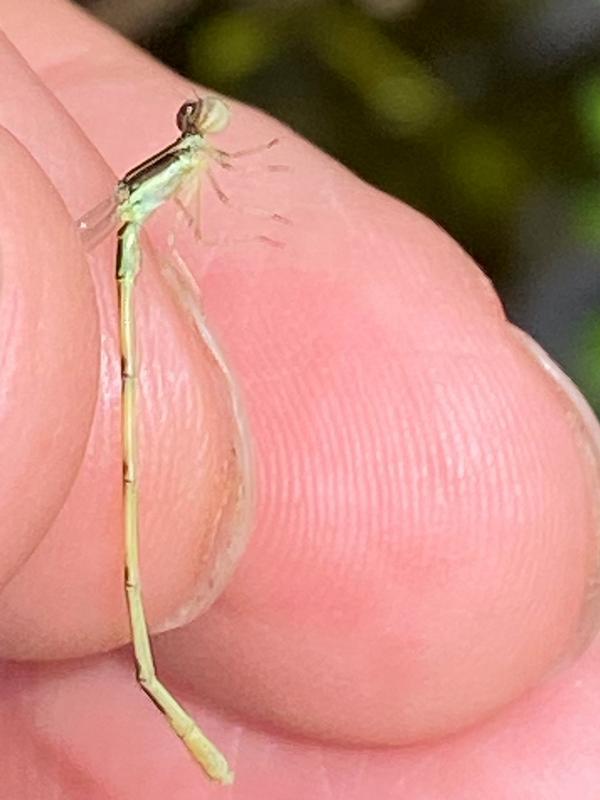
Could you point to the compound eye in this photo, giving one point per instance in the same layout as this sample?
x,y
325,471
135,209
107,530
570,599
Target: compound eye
x,y
187,116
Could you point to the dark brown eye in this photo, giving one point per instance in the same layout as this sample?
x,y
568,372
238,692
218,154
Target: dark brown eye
x,y
187,115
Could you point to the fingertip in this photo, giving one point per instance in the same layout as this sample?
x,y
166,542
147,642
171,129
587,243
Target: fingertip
x,y
49,358
430,495
431,508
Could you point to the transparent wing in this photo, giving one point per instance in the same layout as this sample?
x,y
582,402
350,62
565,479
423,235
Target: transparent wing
x,y
99,222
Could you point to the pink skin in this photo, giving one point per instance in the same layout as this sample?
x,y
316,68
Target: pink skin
x,y
424,547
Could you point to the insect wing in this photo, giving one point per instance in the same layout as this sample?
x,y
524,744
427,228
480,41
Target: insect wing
x,y
98,223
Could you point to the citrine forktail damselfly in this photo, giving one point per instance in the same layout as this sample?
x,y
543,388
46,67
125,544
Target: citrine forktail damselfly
x,y
138,195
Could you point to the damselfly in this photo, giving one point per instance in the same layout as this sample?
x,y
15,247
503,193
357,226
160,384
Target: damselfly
x,y
144,189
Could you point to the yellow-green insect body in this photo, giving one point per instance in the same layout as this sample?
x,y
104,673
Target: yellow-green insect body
x,y
138,195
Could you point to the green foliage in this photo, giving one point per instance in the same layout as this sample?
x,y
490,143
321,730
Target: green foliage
x,y
586,357
232,46
401,92
588,107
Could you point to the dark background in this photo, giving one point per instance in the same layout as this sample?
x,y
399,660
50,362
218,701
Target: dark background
x,y
483,115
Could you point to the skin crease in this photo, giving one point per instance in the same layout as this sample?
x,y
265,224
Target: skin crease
x,y
426,521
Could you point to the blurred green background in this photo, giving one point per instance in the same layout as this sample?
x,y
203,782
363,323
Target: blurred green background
x,y
483,115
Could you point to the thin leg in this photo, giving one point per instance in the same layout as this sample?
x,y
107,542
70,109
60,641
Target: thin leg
x,y
213,762
259,212
223,159
259,170
190,220
250,151
190,192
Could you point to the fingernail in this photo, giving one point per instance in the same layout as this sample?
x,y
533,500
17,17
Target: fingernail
x,y
588,427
